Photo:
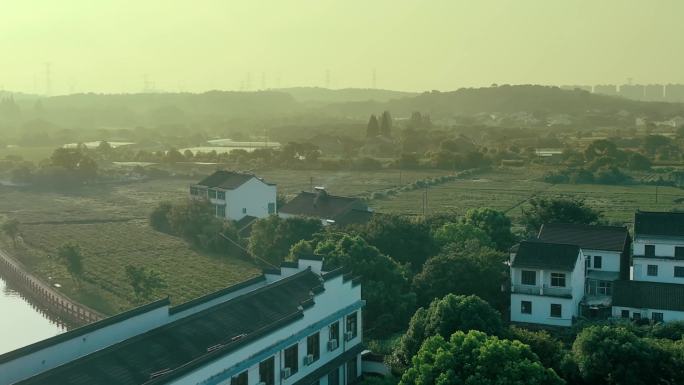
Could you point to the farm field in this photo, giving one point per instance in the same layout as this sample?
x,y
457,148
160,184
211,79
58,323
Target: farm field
x,y
508,189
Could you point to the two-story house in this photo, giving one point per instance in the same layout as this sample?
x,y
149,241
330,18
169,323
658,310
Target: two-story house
x,y
606,251
297,325
330,209
656,290
547,283
235,195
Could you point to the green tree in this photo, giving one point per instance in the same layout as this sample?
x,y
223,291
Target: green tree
x,y
159,217
144,281
384,283
443,317
386,124
272,237
600,148
373,127
559,210
638,162
466,269
12,230
475,358
403,239
72,258
614,355
187,219
550,350
495,223
460,233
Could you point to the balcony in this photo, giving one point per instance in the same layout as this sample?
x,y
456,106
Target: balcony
x,y
542,290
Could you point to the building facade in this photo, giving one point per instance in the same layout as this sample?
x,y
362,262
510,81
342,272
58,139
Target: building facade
x,y
237,195
547,283
329,209
294,326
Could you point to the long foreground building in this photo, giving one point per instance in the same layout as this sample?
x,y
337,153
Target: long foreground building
x,y
297,325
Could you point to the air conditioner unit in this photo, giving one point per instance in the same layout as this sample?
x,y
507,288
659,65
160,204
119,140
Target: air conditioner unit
x,y
348,336
309,359
286,373
332,345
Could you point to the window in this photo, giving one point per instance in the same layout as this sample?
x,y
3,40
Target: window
x,y
556,310
194,191
605,288
313,345
679,271
351,325
636,316
598,262
244,210
292,358
267,371
652,270
352,373
649,250
334,377
221,195
587,262
558,279
529,277
240,379
271,208
221,211
679,252
657,317
624,314
334,332
526,307
212,194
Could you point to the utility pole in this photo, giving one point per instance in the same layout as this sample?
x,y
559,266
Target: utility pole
x,y
311,184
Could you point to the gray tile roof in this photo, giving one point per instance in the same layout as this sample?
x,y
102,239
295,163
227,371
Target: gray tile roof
x,y
659,223
648,295
227,180
588,237
324,206
184,344
542,255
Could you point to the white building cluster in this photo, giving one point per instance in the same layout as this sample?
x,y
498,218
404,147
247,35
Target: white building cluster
x,y
297,325
596,272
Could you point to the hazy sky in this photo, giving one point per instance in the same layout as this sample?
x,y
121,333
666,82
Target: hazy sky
x,y
196,45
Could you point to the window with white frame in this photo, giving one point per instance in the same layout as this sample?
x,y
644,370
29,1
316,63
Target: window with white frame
x,y
558,279
528,277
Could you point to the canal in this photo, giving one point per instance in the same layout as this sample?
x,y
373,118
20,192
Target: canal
x,y
22,322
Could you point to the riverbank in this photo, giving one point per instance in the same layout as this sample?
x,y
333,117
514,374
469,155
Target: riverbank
x,y
60,306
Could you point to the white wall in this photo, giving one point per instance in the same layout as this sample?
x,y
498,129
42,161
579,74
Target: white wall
x,y
337,295
665,270
254,195
668,315
664,246
541,310
610,260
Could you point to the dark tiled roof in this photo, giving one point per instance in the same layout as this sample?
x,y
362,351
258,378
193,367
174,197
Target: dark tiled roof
x,y
321,205
659,223
648,295
354,217
590,237
244,225
228,180
185,344
543,255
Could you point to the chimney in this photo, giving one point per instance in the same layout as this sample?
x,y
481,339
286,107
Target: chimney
x,y
320,194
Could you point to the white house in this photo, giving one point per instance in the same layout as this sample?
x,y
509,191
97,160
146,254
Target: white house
x,y
643,300
294,326
547,283
658,254
330,209
235,195
606,251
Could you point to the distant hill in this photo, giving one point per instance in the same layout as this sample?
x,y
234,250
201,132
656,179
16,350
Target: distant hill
x,y
325,95
507,99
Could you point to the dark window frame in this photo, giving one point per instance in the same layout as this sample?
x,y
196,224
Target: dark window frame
x,y
291,358
649,250
679,269
652,270
352,324
624,313
334,377
558,278
556,314
598,262
679,252
526,307
240,379
657,316
313,346
352,364
525,276
267,371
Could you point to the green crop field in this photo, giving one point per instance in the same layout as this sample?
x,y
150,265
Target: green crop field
x,y
508,189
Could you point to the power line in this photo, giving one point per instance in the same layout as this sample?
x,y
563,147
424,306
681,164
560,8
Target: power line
x,y
247,251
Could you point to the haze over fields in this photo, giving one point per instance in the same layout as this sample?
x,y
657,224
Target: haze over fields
x,y
130,46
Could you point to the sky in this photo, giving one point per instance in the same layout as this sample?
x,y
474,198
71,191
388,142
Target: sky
x,y
115,46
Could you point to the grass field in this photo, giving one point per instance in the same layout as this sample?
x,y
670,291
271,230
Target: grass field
x,y
508,189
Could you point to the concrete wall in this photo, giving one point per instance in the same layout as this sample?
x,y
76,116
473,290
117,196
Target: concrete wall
x,y
664,246
665,270
254,196
668,315
541,310
610,260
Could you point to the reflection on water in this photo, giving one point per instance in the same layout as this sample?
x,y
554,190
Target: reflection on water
x,y
21,321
